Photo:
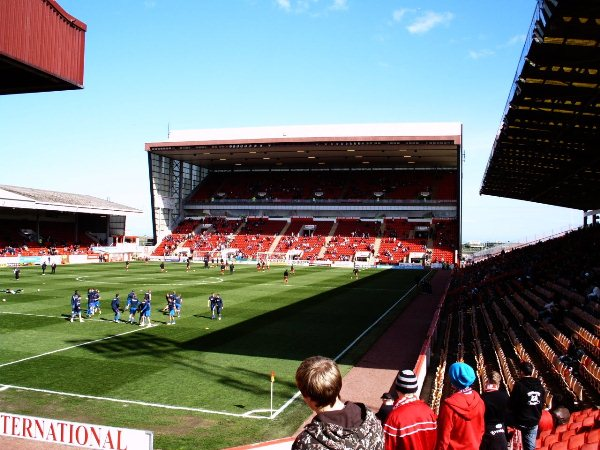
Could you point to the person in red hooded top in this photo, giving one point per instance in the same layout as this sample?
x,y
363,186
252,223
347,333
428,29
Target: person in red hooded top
x,y
461,424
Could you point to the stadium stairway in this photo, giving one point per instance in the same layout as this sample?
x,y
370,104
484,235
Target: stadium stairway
x,y
327,239
277,239
279,236
324,248
376,246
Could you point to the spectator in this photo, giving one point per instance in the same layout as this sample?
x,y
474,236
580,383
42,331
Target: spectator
x,y
460,424
561,416
526,404
337,425
594,294
387,404
496,405
412,424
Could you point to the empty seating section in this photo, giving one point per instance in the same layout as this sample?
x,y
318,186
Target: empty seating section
x,y
398,241
305,235
206,235
187,226
260,225
257,235
582,432
309,185
357,228
390,241
534,305
169,245
444,239
351,236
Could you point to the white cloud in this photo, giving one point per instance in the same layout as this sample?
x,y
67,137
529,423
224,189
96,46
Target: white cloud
x,y
398,14
313,7
478,54
284,4
339,5
515,40
428,20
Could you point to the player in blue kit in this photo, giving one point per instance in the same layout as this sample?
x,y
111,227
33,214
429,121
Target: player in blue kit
x,y
133,305
218,305
76,306
115,304
96,296
178,301
145,313
171,307
90,303
212,304
129,298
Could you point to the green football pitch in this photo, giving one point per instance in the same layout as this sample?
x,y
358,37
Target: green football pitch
x,y
200,383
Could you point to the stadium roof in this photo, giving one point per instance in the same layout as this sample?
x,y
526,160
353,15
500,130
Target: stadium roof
x,y
408,145
41,47
548,147
27,198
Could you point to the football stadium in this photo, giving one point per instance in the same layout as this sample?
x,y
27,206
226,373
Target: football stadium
x,y
272,245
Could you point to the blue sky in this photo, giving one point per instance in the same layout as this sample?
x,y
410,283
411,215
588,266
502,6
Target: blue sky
x,y
190,64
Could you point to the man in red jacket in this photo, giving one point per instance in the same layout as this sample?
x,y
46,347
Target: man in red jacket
x,y
412,424
461,424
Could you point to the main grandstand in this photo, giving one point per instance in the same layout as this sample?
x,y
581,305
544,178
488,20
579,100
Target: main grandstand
x,y
376,194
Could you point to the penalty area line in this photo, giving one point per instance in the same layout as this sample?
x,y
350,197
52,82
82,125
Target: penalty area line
x,y
133,402
71,347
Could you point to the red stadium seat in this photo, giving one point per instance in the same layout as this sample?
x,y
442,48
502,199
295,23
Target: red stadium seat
x,y
574,426
545,433
562,445
566,435
590,446
588,423
575,442
550,440
593,436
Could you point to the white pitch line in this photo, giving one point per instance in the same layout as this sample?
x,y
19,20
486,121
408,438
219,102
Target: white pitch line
x,y
50,317
135,402
343,352
70,347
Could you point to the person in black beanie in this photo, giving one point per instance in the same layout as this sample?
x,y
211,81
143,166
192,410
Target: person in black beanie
x,y
412,424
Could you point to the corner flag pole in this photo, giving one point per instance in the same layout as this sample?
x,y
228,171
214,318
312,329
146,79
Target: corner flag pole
x,y
272,383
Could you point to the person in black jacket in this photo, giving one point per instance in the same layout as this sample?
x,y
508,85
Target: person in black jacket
x,y
526,404
496,406
387,404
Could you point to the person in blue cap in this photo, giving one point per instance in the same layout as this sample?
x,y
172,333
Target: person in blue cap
x,y
460,424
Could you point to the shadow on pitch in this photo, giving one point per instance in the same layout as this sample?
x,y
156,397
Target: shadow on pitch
x,y
322,324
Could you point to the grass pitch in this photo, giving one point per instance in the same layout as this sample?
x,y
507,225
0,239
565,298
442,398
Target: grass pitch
x,y
201,383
